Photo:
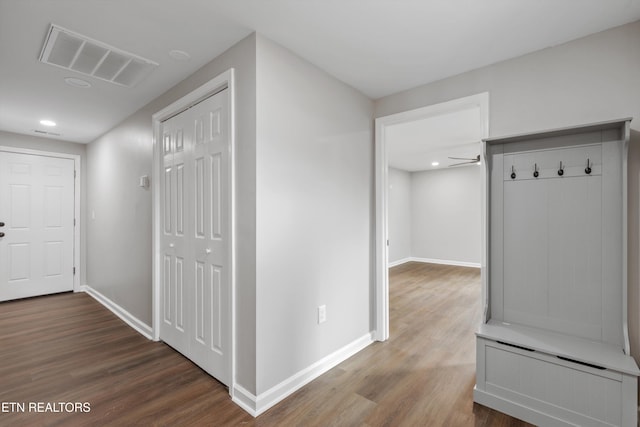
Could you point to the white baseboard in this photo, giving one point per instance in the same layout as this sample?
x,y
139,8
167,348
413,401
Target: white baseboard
x,y
399,262
446,262
256,405
144,329
244,399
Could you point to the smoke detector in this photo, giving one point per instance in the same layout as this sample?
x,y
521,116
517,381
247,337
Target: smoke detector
x,y
72,51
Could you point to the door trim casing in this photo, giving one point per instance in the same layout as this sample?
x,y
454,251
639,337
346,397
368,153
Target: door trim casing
x,y
77,191
381,277
223,81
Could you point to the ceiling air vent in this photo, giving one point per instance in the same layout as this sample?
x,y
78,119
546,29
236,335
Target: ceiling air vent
x,y
73,51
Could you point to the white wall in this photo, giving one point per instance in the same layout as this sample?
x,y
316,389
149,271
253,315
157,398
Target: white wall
x,y
119,217
305,184
399,215
304,167
9,139
314,210
446,215
435,215
119,238
591,79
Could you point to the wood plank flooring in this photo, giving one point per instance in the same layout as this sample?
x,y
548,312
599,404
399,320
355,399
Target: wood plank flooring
x,y
68,348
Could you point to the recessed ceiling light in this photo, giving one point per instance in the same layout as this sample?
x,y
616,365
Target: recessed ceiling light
x,y
72,81
47,123
435,163
479,163
179,55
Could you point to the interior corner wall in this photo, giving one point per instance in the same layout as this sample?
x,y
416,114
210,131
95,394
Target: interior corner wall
x,y
119,237
591,79
314,214
9,139
446,214
399,209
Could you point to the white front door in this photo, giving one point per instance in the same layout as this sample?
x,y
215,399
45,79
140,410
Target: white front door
x,y
196,241
36,209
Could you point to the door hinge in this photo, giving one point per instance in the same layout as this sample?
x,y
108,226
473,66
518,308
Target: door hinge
x,y
74,173
74,222
74,271
387,242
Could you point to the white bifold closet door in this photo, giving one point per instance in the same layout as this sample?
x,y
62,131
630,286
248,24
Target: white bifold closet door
x,y
195,192
36,212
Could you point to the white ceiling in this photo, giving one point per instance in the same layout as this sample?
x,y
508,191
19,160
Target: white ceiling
x,y
377,46
415,145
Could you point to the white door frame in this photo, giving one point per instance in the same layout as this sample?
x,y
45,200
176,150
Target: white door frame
x,y
480,100
77,286
217,84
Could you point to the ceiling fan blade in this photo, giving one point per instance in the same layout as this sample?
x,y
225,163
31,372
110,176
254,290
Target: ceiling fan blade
x,y
463,163
474,159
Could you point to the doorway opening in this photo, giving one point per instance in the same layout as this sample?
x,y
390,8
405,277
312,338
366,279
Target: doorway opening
x,y
434,137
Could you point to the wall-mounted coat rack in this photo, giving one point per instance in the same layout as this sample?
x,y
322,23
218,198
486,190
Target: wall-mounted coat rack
x,y
567,162
553,348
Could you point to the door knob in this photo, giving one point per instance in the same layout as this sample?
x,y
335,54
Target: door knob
x,y
1,234
1,224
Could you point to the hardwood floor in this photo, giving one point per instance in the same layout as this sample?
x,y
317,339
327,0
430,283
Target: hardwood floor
x,y
68,348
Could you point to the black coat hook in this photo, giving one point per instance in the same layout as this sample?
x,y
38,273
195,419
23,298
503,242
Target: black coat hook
x,y
587,170
513,173
561,170
535,171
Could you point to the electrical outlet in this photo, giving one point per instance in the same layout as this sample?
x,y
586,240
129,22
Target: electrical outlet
x,y
322,314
